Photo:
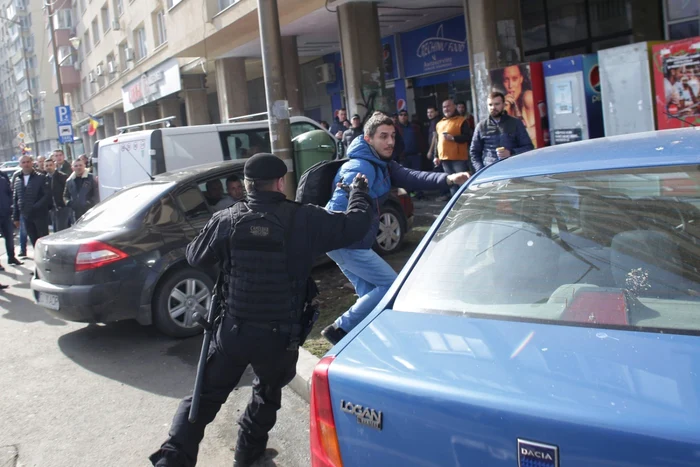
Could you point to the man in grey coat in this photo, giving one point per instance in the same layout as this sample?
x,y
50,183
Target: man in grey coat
x,y
82,192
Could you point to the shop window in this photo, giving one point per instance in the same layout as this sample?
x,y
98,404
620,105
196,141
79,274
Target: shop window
x,y
684,29
682,9
533,24
567,20
608,17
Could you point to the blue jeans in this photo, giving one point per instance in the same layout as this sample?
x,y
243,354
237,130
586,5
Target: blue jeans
x,y
371,276
453,167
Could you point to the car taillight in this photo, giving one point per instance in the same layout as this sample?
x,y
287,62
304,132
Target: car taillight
x,y
96,254
597,307
325,450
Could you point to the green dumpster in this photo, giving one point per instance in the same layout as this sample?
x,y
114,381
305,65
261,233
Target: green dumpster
x,y
311,148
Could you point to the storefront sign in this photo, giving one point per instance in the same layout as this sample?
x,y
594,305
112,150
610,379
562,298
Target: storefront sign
x,y
438,47
391,64
157,82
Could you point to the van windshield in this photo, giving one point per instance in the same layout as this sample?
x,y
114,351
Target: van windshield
x,y
120,208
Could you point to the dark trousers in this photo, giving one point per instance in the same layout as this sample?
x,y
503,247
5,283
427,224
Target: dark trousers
x,y
8,233
60,218
233,348
453,167
37,227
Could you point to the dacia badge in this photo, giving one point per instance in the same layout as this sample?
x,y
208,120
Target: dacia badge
x,y
532,454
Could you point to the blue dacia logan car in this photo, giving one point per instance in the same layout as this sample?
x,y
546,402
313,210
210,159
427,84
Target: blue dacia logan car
x,y
551,316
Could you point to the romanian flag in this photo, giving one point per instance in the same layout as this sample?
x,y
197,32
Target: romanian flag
x,y
92,125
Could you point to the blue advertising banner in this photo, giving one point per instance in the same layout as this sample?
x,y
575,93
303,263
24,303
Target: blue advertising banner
x,y
438,47
337,86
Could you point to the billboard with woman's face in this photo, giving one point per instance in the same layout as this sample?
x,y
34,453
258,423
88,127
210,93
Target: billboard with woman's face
x,y
523,87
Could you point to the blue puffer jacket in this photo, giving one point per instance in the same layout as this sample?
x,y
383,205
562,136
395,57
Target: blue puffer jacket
x,y
381,175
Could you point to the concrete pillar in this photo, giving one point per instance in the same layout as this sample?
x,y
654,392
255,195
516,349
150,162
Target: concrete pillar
x,y
110,127
196,101
232,88
101,132
361,51
170,108
292,75
119,119
149,113
133,117
494,40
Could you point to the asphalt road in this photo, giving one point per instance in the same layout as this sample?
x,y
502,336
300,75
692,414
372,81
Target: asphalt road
x,y
87,395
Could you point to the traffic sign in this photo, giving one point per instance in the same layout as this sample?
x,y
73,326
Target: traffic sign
x,y
65,134
21,135
63,115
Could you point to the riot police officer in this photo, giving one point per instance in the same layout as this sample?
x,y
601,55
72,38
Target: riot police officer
x,y
266,247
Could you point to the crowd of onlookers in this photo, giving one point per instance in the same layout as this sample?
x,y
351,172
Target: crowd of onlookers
x,y
47,193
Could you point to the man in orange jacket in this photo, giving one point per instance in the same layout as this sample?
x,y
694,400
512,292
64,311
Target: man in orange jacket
x,y
452,138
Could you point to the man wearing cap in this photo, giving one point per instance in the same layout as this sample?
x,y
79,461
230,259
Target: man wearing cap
x,y
267,259
353,132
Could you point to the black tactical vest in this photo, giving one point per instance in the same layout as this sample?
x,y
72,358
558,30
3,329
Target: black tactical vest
x,y
260,285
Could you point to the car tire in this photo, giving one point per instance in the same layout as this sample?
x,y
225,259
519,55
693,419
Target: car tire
x,y
179,295
392,229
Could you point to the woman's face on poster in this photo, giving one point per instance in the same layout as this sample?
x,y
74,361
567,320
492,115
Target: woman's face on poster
x,y
513,81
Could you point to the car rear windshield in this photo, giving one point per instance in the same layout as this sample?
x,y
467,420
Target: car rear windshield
x,y
600,248
121,207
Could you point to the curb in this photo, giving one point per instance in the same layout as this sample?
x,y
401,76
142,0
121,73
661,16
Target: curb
x,y
301,384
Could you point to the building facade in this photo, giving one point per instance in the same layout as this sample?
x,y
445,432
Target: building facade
x,y
126,62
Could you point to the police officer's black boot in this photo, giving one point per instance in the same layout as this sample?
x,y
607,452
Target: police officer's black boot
x,y
247,459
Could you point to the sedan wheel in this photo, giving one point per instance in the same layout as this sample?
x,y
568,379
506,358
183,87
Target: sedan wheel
x,y
188,297
179,296
391,231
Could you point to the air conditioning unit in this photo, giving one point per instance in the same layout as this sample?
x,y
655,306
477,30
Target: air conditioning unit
x,y
112,67
98,70
91,77
115,25
129,54
325,73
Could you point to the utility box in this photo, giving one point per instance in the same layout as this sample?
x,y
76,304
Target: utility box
x,y
574,104
627,89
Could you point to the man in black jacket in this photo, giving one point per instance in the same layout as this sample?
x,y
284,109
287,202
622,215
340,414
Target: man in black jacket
x,y
6,219
353,132
81,191
57,185
273,245
31,200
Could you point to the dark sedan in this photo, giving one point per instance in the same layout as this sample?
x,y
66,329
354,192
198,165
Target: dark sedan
x,y
125,258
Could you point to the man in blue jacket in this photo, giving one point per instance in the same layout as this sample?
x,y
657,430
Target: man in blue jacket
x,y
369,273
498,136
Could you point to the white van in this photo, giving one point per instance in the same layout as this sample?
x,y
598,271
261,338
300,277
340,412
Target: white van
x,y
134,157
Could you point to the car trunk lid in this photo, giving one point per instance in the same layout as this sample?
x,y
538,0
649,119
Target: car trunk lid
x,y
426,389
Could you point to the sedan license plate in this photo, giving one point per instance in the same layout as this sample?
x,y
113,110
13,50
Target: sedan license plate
x,y
48,300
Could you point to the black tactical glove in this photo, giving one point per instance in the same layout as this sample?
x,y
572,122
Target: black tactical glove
x,y
360,184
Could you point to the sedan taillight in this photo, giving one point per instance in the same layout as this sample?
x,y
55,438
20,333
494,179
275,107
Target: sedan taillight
x,y
96,254
325,451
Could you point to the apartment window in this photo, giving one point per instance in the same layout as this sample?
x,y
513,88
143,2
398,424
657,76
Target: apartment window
x,y
65,56
81,4
123,64
95,32
223,4
683,19
84,90
86,41
140,41
112,66
106,25
63,19
172,3
159,28
119,7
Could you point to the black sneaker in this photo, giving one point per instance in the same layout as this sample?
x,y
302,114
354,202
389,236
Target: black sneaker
x,y
333,334
15,261
23,254
245,459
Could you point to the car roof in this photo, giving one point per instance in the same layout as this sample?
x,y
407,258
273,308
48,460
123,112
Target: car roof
x,y
198,171
648,149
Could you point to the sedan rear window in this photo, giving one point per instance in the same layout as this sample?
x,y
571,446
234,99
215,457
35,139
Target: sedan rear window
x,y
601,248
121,207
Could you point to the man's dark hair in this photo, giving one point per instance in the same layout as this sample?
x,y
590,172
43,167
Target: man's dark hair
x,y
461,103
434,107
232,178
375,121
496,94
257,186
